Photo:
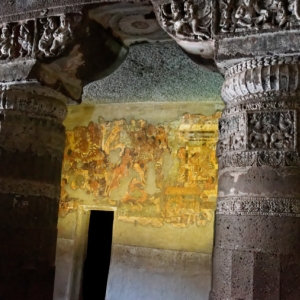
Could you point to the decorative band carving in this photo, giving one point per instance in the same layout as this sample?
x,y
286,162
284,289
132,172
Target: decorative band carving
x,y
278,207
273,81
39,38
35,105
29,188
261,106
259,158
261,62
258,130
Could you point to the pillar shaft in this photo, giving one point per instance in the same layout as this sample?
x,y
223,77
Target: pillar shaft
x,y
31,151
256,253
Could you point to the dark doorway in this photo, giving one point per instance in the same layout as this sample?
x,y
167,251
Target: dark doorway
x,y
96,266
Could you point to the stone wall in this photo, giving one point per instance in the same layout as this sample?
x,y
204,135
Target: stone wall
x,y
154,165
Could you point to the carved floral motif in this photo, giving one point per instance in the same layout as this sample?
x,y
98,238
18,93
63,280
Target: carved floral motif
x,y
258,206
187,20
253,15
271,130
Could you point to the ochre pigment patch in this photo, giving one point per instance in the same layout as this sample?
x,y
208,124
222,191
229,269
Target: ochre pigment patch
x,y
154,174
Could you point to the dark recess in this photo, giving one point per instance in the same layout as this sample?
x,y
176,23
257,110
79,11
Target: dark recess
x,y
96,266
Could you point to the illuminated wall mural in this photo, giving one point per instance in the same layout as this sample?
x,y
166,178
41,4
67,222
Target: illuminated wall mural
x,y
154,174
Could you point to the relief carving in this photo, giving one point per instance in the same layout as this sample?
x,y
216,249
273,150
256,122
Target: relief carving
x,y
258,206
56,36
259,158
17,39
271,130
187,20
6,43
232,134
253,15
25,40
260,106
272,133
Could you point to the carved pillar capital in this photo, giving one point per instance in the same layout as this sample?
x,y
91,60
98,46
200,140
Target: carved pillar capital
x,y
256,48
63,52
257,216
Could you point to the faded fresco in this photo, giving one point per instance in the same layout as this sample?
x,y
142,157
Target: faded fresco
x,y
153,174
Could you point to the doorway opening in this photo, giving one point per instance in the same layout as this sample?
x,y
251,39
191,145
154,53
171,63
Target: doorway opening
x,y
96,265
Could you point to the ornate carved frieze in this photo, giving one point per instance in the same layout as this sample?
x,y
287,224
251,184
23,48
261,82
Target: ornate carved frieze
x,y
259,158
257,15
279,207
271,130
45,37
57,34
190,19
261,62
261,106
262,79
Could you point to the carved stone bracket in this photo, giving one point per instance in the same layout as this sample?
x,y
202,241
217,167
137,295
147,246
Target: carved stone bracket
x,y
189,23
59,51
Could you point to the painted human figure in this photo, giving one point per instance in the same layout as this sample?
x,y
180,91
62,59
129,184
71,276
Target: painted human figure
x,y
47,38
62,35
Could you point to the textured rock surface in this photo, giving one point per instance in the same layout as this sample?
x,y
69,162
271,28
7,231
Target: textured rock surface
x,y
31,143
159,72
256,254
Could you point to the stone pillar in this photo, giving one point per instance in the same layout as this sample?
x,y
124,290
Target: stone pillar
x,y
257,246
31,152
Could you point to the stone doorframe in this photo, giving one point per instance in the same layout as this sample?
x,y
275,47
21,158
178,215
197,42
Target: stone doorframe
x,y
80,245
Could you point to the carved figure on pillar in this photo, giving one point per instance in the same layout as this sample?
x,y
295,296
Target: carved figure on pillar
x,y
25,40
6,42
254,15
61,36
55,38
46,41
188,20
